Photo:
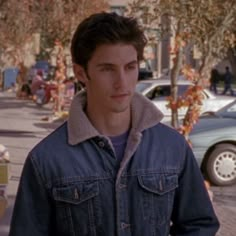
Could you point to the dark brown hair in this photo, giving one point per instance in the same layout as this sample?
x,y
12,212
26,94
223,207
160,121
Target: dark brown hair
x,y
105,28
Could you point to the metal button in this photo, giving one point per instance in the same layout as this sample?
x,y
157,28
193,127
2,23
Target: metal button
x,y
124,225
101,144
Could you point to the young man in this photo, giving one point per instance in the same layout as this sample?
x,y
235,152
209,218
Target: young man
x,y
113,168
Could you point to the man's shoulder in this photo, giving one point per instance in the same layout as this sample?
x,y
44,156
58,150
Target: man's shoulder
x,y
52,142
167,130
167,135
168,142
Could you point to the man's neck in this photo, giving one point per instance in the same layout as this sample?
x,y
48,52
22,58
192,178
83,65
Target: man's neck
x,y
112,124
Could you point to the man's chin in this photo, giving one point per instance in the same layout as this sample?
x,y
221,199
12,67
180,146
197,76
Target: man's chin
x,y
121,109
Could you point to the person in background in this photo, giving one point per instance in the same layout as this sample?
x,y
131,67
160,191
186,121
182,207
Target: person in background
x,y
214,80
37,82
25,91
113,168
4,178
228,78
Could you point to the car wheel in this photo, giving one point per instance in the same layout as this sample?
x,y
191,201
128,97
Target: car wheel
x,y
221,165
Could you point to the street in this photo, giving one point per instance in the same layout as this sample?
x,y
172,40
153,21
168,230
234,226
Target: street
x,y
21,127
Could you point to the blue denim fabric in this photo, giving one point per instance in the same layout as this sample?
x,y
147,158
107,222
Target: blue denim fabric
x,y
75,190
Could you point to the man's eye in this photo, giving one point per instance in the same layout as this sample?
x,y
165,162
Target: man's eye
x,y
131,67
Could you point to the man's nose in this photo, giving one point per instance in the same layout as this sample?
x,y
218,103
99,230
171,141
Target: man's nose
x,y
120,80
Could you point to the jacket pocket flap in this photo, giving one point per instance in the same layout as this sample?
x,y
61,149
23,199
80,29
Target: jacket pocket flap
x,y
76,193
159,183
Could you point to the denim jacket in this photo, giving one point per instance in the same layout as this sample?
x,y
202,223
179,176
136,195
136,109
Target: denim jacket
x,y
70,184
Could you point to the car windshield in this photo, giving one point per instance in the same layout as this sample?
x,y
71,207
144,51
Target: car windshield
x,y
228,110
140,87
164,89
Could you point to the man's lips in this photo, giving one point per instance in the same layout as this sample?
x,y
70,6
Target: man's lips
x,y
120,96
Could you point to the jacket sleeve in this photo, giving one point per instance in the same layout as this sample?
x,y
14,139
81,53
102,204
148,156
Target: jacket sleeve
x,y
32,210
193,213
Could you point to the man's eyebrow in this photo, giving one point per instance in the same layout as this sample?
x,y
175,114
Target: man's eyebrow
x,y
112,65
133,62
105,64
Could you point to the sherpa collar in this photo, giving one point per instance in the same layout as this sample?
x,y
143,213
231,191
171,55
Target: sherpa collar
x,y
144,115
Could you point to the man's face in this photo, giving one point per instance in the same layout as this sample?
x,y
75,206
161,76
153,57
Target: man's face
x,y
113,74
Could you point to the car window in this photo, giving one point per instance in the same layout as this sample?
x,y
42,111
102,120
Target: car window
x,y
227,111
159,92
232,108
204,94
163,91
182,89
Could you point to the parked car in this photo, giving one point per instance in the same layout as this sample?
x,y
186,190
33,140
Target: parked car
x,y
213,140
157,90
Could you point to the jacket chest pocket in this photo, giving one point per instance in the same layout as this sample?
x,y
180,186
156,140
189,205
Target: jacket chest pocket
x,y
77,208
157,197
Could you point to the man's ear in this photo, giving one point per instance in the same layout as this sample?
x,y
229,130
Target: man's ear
x,y
80,74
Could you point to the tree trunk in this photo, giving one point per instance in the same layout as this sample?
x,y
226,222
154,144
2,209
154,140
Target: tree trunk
x,y
21,78
174,77
174,87
60,76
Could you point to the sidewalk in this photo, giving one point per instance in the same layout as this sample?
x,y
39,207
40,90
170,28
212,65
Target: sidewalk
x,y
21,127
227,218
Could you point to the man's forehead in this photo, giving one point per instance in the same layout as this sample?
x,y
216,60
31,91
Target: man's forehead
x,y
115,54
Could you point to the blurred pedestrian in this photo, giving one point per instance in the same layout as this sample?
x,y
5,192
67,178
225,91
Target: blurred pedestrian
x,y
228,79
4,178
214,80
37,82
4,154
25,92
113,168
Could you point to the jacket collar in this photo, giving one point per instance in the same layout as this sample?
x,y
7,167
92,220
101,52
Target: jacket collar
x,y
144,115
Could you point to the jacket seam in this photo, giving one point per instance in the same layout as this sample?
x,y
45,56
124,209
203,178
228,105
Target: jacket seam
x,y
74,179
41,181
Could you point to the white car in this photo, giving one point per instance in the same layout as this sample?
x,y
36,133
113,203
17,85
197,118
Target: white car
x,y
157,90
